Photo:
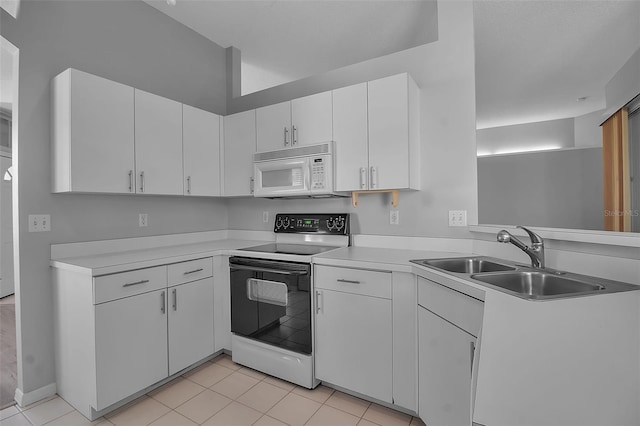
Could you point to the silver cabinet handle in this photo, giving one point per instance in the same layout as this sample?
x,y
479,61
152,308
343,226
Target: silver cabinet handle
x,y
286,134
374,177
251,184
318,296
340,280
189,185
130,180
472,348
294,137
141,181
175,299
194,271
163,307
363,178
135,283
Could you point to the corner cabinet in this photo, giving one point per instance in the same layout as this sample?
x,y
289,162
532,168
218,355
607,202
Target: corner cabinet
x,y
377,134
92,133
449,323
117,335
201,152
239,146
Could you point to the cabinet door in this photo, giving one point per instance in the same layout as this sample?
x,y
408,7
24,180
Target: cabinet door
x,y
273,127
239,147
311,119
351,138
200,152
190,323
93,134
131,345
389,132
445,363
354,343
158,144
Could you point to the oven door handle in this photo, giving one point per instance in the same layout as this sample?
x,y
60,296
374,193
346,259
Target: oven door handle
x,y
259,269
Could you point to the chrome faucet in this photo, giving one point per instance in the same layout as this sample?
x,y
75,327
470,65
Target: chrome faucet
x,y
535,252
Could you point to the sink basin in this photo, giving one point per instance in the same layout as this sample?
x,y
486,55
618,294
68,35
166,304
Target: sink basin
x,y
465,265
538,284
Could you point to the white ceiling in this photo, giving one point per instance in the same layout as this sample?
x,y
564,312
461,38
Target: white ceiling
x,y
534,59
285,40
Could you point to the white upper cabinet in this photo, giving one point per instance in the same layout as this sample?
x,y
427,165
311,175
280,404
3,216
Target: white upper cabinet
x,y
239,147
394,133
92,134
200,152
377,130
350,134
158,142
303,121
311,119
273,127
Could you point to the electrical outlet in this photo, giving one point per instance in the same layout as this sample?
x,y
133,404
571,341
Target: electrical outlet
x,y
457,218
39,223
394,217
265,216
143,219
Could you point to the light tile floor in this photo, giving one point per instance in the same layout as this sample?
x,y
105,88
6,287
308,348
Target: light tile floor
x,y
222,393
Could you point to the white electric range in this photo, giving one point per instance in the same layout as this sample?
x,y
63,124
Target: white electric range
x,y
271,296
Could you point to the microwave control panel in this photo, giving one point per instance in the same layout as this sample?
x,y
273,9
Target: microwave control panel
x,y
335,224
318,179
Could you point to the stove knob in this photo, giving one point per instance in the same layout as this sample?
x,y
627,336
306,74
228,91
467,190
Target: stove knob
x,y
286,222
279,223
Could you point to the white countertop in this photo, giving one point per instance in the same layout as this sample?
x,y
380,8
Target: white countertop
x,y
109,263
382,259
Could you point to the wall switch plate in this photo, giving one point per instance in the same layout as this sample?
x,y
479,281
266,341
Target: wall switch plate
x,y
394,217
39,223
265,216
457,218
143,219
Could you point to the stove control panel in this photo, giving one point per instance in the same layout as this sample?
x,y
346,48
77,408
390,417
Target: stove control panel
x,y
335,224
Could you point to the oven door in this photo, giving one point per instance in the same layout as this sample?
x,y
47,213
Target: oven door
x,y
282,177
271,302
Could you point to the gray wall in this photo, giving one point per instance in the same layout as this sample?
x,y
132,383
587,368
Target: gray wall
x,y
555,189
445,72
129,42
497,140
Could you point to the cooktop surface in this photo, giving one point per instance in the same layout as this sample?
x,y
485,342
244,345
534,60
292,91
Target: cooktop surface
x,y
301,249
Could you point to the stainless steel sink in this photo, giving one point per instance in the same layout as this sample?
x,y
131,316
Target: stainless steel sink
x,y
465,265
524,281
536,284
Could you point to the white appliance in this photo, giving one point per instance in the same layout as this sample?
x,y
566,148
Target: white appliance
x,y
305,171
272,296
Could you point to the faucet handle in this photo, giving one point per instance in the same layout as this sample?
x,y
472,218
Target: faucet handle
x,y
535,238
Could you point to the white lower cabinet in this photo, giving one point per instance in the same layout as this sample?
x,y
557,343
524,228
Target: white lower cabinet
x,y
190,323
448,325
119,334
354,342
131,345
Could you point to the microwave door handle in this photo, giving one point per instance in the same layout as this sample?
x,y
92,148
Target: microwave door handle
x,y
308,178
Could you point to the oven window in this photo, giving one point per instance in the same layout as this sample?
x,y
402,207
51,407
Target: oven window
x,y
272,306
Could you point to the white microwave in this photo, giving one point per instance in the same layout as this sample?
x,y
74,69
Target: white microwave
x,y
304,171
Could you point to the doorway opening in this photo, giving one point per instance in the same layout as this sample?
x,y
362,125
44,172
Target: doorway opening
x,y
8,190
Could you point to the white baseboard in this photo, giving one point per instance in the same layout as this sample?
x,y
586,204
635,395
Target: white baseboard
x,y
24,399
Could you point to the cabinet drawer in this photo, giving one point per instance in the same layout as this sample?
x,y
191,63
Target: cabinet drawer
x,y
356,281
116,286
457,308
192,270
